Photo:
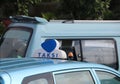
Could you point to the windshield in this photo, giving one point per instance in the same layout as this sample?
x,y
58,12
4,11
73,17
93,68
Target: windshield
x,y
14,42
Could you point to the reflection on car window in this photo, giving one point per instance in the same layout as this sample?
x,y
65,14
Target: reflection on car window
x,y
101,51
14,42
39,81
82,77
108,78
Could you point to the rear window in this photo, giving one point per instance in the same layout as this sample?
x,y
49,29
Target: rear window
x,y
101,51
14,42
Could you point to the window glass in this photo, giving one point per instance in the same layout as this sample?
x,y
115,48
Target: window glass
x,y
82,77
39,81
14,42
92,50
99,51
108,78
45,78
70,46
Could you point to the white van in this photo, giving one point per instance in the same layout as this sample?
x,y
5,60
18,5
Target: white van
x,y
90,41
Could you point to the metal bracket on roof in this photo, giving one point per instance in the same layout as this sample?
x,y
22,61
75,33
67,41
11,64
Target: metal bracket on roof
x,y
27,19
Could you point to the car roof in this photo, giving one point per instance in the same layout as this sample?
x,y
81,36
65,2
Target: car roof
x,y
96,28
19,64
19,68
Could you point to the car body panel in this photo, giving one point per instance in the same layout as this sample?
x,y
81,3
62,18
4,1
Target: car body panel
x,y
17,69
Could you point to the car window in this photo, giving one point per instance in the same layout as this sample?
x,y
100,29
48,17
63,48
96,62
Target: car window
x,y
82,77
39,81
101,51
14,42
108,78
45,78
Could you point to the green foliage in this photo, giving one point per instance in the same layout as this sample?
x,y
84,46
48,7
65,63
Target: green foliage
x,y
23,6
66,9
102,8
84,9
48,16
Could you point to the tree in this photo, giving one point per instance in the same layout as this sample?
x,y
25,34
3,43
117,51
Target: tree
x,y
7,8
84,9
115,8
66,9
23,6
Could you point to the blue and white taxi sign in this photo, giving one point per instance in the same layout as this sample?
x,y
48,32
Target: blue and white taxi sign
x,y
50,49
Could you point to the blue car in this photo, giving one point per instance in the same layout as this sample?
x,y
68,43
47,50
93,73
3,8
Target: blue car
x,y
55,71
